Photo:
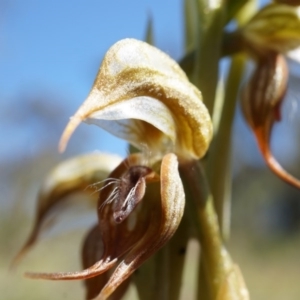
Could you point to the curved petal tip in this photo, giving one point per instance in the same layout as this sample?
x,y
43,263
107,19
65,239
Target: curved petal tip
x,y
70,128
271,161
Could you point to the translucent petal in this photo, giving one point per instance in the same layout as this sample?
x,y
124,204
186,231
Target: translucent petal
x,y
126,113
68,178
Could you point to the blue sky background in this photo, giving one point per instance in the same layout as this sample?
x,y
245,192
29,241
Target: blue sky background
x,y
50,52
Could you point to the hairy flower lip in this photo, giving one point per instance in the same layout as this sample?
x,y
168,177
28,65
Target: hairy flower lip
x,y
133,70
172,208
166,210
130,190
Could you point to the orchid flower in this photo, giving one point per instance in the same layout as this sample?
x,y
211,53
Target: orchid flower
x,y
272,32
141,95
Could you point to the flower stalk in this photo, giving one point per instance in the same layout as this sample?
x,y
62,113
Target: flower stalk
x,y
215,259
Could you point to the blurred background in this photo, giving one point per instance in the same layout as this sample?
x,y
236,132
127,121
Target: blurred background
x,y
50,52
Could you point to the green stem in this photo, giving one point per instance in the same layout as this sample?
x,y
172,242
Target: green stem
x,y
208,48
177,253
160,277
162,274
144,279
218,166
232,43
202,291
216,261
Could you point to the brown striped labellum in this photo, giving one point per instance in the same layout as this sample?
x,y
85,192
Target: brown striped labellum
x,y
131,235
261,102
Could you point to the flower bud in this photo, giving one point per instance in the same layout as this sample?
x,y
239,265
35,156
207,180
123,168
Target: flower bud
x,y
265,90
275,27
261,103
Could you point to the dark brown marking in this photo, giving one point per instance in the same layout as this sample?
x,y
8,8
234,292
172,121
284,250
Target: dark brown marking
x,y
131,190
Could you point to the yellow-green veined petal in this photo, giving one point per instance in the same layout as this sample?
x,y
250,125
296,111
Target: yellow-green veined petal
x,y
275,27
135,71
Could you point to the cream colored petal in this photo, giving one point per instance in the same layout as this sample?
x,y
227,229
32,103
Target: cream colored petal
x,y
133,70
68,178
120,119
76,173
